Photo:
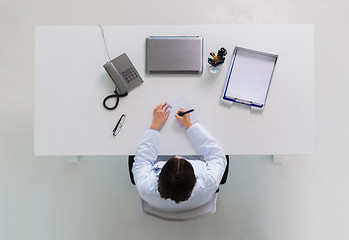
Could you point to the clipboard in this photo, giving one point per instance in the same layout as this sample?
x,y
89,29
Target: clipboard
x,y
249,78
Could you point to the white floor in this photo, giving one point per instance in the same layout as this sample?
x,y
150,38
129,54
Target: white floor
x,y
47,198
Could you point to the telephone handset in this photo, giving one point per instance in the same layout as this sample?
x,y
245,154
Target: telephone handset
x,y
120,84
124,75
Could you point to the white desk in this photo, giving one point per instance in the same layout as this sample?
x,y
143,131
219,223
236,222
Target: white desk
x,y
71,85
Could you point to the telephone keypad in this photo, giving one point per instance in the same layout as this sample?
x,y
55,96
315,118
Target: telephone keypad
x,y
129,75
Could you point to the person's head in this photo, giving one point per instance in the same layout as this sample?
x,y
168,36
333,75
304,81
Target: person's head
x,y
176,180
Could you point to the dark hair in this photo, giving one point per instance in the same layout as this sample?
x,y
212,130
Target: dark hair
x,y
176,180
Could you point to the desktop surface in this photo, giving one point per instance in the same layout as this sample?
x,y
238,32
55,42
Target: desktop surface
x,y
69,90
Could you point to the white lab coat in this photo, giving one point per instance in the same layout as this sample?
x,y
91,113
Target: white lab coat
x,y
208,172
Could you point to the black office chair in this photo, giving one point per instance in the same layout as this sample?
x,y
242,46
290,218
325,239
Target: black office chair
x,y
131,160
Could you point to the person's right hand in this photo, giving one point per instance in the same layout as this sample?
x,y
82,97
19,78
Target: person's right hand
x,y
185,119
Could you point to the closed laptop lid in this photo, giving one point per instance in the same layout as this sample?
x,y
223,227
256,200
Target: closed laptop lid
x,y
174,54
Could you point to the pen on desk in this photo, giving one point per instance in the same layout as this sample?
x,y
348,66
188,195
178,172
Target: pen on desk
x,y
183,113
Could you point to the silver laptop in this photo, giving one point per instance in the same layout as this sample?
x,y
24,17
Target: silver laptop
x,y
174,54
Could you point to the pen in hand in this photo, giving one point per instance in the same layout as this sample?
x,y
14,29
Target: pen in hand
x,y
183,113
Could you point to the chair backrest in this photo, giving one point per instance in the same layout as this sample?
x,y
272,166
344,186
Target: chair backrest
x,y
204,210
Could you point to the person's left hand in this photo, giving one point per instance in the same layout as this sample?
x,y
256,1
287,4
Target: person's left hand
x,y
159,116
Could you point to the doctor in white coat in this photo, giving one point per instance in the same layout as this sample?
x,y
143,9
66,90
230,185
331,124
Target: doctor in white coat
x,y
177,184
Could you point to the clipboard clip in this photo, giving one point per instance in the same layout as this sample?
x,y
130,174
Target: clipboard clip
x,y
242,101
249,103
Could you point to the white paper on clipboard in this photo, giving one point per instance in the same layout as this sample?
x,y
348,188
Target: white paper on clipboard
x,y
250,76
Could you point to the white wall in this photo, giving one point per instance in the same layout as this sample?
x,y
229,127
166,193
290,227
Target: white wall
x,y
47,198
